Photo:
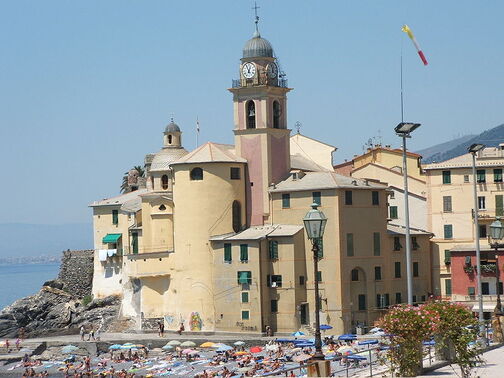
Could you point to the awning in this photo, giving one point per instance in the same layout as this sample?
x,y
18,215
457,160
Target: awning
x,y
111,238
487,307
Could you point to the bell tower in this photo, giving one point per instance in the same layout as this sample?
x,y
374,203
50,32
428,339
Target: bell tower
x,y
260,123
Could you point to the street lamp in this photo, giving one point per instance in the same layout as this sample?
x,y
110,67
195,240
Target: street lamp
x,y
404,129
473,150
315,222
496,235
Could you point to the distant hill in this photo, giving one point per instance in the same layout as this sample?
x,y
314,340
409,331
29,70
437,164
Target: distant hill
x,y
20,239
444,151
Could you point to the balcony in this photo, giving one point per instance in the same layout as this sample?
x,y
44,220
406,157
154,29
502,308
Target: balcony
x,y
242,83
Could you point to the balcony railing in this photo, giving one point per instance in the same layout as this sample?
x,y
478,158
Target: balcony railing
x,y
241,83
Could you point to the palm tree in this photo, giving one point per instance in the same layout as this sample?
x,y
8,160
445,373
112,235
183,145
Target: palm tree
x,y
125,187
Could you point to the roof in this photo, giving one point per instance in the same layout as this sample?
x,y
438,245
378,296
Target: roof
x,y
257,47
470,248
488,157
211,153
324,180
164,158
300,162
395,229
172,127
261,232
128,202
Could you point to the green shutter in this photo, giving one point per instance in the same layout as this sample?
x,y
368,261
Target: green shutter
x,y
448,231
415,269
320,245
245,315
244,296
317,198
273,249
480,175
362,302
244,277
499,208
134,242
387,300
227,252
393,212
377,273
274,305
115,216
497,175
349,244
397,268
446,177
447,256
448,287
285,200
398,299
243,252
471,290
376,244
319,276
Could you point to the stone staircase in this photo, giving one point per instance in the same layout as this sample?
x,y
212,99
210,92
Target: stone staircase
x,y
307,329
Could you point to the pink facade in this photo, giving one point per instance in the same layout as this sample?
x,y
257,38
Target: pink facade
x,y
463,276
252,151
279,158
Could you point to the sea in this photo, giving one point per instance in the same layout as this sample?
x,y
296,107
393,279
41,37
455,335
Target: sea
x,y
20,280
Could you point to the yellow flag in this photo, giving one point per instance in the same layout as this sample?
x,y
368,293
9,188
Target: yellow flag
x,y
408,31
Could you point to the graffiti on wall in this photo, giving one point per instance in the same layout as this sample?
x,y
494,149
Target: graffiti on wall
x,y
195,324
169,319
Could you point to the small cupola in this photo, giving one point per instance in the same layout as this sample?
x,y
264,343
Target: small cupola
x,y
172,136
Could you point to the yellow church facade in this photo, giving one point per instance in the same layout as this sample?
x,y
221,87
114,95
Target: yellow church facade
x,y
215,240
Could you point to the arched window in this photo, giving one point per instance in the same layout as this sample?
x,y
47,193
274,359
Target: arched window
x,y
197,174
237,216
164,182
169,139
251,115
276,114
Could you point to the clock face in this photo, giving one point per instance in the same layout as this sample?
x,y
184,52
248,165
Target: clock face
x,y
249,70
272,70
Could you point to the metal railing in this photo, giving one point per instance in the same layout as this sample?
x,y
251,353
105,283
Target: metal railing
x,y
259,80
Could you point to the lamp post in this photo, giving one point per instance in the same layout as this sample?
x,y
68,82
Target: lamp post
x,y
314,223
473,150
404,129
496,235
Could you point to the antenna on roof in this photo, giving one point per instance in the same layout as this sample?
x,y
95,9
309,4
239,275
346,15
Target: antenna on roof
x,y
298,126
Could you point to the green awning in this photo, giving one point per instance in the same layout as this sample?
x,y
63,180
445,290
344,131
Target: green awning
x,y
111,238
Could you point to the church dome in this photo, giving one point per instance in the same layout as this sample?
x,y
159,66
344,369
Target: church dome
x,y
172,127
257,47
163,158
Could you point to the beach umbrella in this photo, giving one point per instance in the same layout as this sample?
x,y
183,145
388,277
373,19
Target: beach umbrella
x,y
188,344
168,347
296,350
272,347
241,353
224,348
69,349
187,351
356,357
297,333
173,342
239,343
429,343
115,346
368,342
345,349
208,344
324,327
347,337
301,357
256,349
127,346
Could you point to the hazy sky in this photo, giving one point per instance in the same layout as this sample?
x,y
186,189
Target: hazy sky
x,y
87,87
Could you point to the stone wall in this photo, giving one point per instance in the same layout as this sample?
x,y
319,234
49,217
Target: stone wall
x,y
76,272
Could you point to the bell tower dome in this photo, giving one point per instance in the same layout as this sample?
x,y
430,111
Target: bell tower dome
x,y
260,123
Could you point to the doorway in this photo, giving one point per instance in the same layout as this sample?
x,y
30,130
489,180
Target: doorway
x,y
303,313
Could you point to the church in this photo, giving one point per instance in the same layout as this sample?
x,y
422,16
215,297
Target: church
x,y
213,238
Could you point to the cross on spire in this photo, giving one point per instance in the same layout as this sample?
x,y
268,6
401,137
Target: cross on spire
x,y
255,8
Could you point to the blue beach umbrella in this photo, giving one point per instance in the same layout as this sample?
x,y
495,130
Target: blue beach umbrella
x,y
347,337
324,327
224,348
298,333
115,346
355,357
368,342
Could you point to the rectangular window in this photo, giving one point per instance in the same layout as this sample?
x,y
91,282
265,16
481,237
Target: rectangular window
x,y
501,286
447,256
244,252
227,253
398,298
499,208
274,305
362,302
415,269
275,280
414,243
414,298
471,290
355,275
446,177
348,197
397,269
320,245
448,286
481,203
485,288
317,198
115,216
349,245
423,298
244,277
376,244
301,280
235,173
377,273
497,175
387,300
480,175
245,314
397,243
447,204
393,212
319,276
448,231
482,231
466,178
273,250
285,200
375,197
382,300
244,297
